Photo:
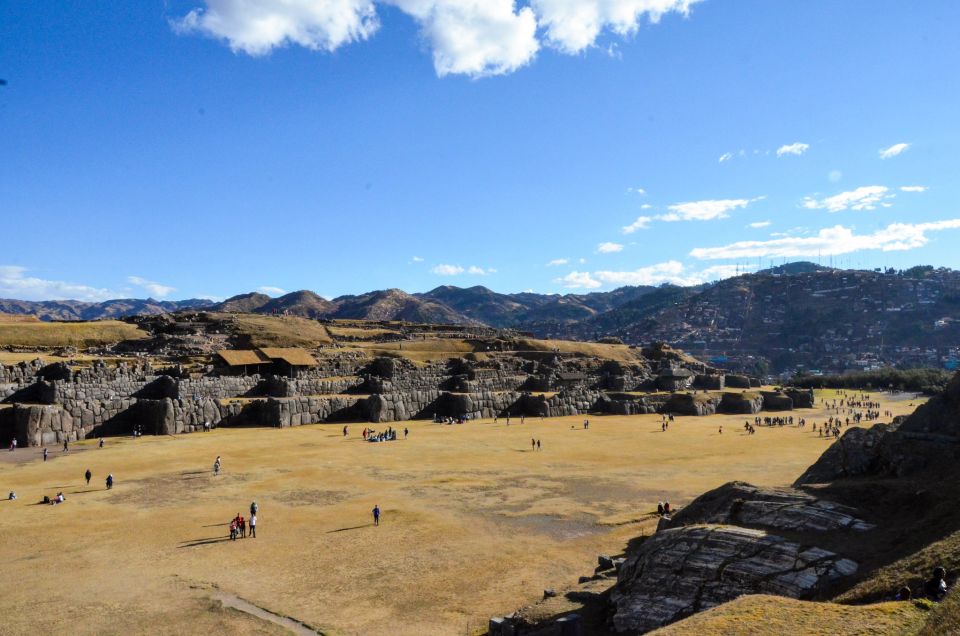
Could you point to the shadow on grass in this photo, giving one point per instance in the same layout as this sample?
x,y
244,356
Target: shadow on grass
x,y
366,525
208,541
83,492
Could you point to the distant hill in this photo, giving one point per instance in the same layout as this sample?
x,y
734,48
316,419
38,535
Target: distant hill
x,y
79,310
794,314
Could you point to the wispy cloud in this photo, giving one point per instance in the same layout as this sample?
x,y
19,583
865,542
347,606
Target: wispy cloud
x,y
417,259
609,248
706,210
639,191
446,269
792,149
831,241
727,156
893,151
479,271
914,188
673,272
14,283
641,223
156,290
558,261
271,291
863,198
759,224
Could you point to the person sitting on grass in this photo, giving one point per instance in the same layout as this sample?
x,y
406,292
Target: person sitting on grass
x,y
936,588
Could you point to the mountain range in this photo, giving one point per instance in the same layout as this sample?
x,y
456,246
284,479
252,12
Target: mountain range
x,y
795,314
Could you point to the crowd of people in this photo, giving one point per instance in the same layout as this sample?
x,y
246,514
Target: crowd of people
x,y
389,435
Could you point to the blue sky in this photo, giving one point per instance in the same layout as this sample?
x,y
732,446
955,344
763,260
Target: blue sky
x,y
189,148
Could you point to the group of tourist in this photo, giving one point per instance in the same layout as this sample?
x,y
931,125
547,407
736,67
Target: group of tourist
x,y
388,435
238,525
663,508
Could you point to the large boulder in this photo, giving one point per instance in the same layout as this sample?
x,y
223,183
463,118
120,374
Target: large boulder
x,y
776,401
856,453
745,403
802,398
692,404
681,571
782,509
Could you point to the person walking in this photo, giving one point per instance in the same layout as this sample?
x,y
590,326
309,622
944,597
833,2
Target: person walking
x,y
344,431
13,444
101,442
66,446
254,508
109,481
87,475
46,452
533,444
253,525
538,444
376,515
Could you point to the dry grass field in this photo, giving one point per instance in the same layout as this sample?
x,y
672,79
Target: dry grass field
x,y
475,523
46,335
278,331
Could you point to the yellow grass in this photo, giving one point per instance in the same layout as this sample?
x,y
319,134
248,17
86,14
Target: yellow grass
x,y
67,334
358,332
762,615
279,331
621,353
475,524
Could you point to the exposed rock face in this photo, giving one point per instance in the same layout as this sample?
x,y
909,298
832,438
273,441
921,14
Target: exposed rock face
x,y
857,452
691,404
930,435
739,503
802,398
741,403
725,544
681,571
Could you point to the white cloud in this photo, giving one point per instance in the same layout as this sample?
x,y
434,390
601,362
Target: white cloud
x,y
455,270
579,280
831,241
835,176
447,270
646,206
641,223
479,271
472,37
581,260
417,259
759,224
702,210
725,157
271,291
558,261
15,284
893,151
792,149
913,188
639,191
673,272
475,37
863,198
257,27
609,248
157,290
574,25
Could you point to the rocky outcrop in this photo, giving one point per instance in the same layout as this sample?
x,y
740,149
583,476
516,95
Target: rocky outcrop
x,y
746,403
857,452
692,404
802,398
681,571
728,542
783,509
928,437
